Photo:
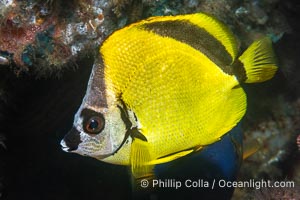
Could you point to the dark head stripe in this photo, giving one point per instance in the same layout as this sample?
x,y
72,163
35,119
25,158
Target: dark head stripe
x,y
86,114
97,88
198,38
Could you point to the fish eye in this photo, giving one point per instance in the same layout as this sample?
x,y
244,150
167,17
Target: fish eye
x,y
94,125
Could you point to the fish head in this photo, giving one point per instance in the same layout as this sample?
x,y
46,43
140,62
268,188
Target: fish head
x,y
95,134
98,129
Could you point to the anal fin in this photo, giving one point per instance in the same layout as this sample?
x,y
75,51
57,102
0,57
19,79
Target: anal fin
x,y
171,157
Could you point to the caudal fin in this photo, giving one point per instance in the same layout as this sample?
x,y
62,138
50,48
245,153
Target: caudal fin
x,y
259,61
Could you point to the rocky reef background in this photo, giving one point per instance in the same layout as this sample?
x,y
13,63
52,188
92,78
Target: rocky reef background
x,y
47,50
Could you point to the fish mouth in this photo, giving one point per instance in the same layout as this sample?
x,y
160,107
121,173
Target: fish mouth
x,y
71,140
64,146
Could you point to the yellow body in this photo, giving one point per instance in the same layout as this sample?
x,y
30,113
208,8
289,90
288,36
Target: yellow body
x,y
182,99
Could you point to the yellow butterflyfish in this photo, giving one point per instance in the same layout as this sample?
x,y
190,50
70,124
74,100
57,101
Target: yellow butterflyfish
x,y
163,88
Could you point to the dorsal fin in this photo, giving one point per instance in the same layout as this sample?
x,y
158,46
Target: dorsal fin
x,y
213,26
219,30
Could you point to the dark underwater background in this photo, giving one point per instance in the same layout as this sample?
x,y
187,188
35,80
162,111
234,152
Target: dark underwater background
x,y
37,106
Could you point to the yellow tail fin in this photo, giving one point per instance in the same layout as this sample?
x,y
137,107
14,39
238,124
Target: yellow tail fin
x,y
259,61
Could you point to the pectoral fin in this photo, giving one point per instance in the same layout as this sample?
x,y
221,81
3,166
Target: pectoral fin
x,y
142,163
140,158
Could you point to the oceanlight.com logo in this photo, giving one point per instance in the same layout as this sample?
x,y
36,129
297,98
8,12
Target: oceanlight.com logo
x,y
200,183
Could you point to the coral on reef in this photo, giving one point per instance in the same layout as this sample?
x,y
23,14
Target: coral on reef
x,y
277,157
43,35
277,193
277,136
298,142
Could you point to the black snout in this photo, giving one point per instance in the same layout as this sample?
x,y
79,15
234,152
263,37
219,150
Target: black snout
x,y
72,139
